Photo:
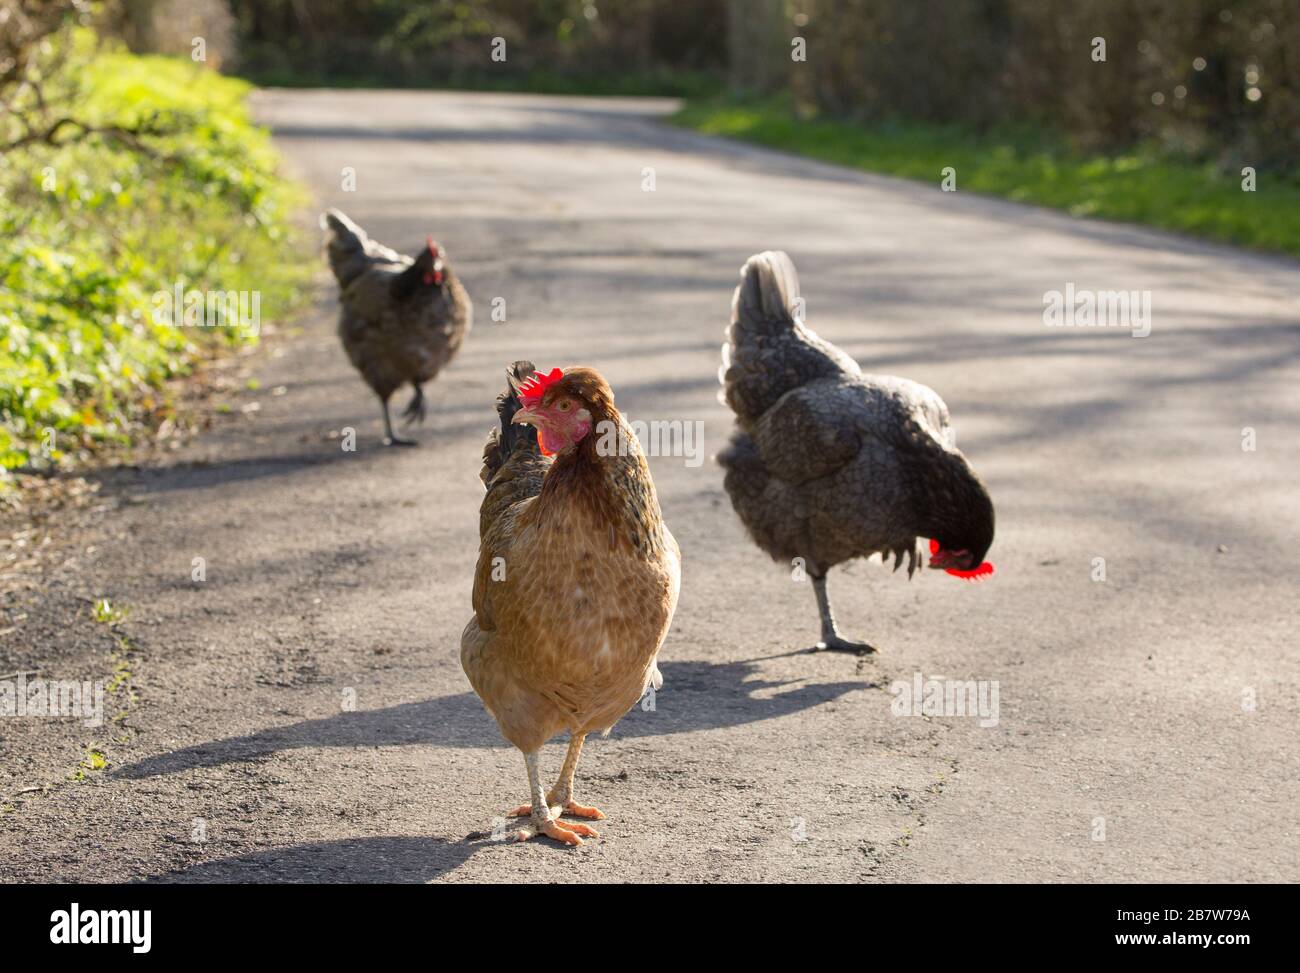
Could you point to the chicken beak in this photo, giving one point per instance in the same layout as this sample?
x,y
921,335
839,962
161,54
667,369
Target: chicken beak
x,y
526,417
950,560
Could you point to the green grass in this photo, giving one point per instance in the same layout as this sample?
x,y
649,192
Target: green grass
x,y
1141,186
106,613
89,232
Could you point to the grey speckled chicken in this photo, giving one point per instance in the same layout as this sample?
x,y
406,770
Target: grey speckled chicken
x,y
403,318
828,464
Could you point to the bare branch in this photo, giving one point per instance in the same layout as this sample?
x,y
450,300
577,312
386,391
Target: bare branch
x,y
53,135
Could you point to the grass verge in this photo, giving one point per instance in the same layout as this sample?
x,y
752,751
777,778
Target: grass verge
x,y
1140,186
90,231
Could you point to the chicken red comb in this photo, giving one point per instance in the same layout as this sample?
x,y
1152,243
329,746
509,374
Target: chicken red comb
x,y
534,388
985,570
433,247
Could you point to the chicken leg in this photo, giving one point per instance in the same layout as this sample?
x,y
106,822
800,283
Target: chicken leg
x,y
544,820
832,641
560,797
389,438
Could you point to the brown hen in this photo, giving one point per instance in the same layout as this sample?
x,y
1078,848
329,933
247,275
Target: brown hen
x,y
577,578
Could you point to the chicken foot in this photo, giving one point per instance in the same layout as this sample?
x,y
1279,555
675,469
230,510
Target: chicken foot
x,y
832,641
560,797
415,410
389,438
544,820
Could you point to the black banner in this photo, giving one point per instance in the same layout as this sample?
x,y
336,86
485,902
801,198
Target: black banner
x,y
139,923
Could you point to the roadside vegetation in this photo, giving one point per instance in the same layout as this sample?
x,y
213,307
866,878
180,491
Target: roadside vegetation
x,y
125,174
1153,113
121,176
628,47
1140,185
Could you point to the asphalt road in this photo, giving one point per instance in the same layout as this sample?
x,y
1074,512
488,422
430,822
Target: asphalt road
x,y
303,710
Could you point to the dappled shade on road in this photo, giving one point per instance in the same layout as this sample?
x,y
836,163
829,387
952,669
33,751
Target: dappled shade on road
x,y
696,696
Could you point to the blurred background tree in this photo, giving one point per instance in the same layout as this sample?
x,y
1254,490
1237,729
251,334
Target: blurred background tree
x,y
560,44
170,27
1201,77
1208,78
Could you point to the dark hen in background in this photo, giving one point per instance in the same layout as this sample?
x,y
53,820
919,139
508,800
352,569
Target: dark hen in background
x,y
827,464
403,318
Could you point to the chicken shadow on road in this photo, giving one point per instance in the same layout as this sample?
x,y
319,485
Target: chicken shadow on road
x,y
297,461
695,696
387,860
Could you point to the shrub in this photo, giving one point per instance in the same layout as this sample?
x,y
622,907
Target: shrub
x,y
163,179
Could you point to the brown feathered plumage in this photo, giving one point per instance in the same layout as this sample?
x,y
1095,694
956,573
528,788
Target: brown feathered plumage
x,y
828,464
577,578
403,318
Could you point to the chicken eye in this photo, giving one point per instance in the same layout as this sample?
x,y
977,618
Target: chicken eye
x,y
565,406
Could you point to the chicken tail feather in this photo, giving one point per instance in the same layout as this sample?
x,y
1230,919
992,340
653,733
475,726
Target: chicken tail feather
x,y
502,442
766,300
769,348
346,246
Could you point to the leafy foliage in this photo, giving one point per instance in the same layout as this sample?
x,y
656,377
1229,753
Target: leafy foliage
x,y
625,46
91,228
1215,79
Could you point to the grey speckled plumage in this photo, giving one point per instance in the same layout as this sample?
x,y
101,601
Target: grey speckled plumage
x,y
395,325
827,463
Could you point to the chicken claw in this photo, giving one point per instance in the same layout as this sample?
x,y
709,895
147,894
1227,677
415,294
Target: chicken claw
x,y
837,643
572,808
565,832
832,640
584,811
560,797
546,819
391,438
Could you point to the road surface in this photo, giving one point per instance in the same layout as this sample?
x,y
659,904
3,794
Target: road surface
x,y
301,714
